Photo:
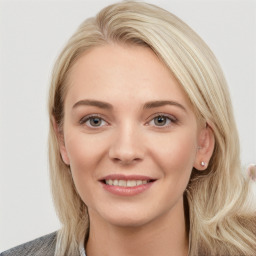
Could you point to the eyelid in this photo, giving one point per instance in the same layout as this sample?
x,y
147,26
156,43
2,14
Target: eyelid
x,y
173,119
163,114
84,119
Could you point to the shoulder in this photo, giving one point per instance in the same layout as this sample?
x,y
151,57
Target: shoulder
x,y
42,246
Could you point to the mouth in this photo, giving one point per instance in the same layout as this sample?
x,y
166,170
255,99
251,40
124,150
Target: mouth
x,y
125,183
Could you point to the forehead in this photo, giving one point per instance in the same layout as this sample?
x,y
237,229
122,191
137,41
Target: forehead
x,y
114,71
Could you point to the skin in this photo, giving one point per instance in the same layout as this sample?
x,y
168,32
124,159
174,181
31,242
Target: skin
x,y
130,141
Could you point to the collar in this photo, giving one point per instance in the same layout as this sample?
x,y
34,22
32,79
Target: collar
x,y
82,250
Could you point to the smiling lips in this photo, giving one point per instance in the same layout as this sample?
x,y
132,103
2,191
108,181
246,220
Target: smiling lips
x,y
126,185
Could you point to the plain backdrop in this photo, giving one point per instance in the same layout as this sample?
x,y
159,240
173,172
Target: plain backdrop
x,y
31,36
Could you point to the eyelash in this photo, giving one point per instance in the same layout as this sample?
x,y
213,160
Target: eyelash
x,y
171,119
89,117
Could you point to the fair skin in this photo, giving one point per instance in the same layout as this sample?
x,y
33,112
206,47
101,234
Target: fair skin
x,y
127,119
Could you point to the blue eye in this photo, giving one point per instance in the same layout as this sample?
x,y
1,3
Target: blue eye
x,y
93,121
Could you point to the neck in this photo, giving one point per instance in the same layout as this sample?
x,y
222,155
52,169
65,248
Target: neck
x,y
164,236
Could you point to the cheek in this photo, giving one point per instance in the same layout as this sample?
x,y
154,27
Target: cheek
x,y
85,153
175,153
84,150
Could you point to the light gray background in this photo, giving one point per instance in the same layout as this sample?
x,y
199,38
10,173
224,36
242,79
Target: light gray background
x,y
32,34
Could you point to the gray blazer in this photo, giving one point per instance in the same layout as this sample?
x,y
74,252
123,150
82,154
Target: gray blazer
x,y
43,246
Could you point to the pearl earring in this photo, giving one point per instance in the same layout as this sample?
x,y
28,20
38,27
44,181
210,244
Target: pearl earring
x,y
202,163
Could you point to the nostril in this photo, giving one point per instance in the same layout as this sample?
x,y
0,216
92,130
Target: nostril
x,y
127,161
126,153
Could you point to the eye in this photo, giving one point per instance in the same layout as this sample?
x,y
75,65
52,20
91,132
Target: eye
x,y
162,120
93,121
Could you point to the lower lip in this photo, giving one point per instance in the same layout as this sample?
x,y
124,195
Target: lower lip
x,y
127,191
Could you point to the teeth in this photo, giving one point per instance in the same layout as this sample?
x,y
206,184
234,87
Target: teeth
x,y
131,183
139,182
124,183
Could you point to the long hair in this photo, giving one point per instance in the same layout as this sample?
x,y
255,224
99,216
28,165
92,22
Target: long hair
x,y
221,213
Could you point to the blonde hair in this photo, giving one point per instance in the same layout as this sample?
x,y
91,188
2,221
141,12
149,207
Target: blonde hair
x,y
221,214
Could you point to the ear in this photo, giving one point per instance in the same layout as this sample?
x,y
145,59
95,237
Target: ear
x,y
60,137
206,142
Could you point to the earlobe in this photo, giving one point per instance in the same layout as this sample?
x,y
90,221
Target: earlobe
x,y
61,142
64,154
206,143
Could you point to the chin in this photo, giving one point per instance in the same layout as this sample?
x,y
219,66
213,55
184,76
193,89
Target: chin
x,y
137,219
128,222
125,218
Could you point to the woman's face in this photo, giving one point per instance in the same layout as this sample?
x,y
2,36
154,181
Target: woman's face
x,y
128,123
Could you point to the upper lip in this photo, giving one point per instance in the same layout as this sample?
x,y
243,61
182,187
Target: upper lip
x,y
126,177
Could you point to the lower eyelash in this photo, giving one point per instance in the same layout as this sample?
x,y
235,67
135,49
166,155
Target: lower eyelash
x,y
171,118
86,118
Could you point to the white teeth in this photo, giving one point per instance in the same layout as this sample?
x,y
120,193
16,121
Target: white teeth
x,y
139,182
131,183
124,183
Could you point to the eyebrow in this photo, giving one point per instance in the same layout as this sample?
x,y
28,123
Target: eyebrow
x,y
160,103
95,103
147,105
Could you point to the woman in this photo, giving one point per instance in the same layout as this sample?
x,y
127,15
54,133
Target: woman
x,y
144,152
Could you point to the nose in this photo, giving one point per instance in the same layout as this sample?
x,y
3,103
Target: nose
x,y
127,146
